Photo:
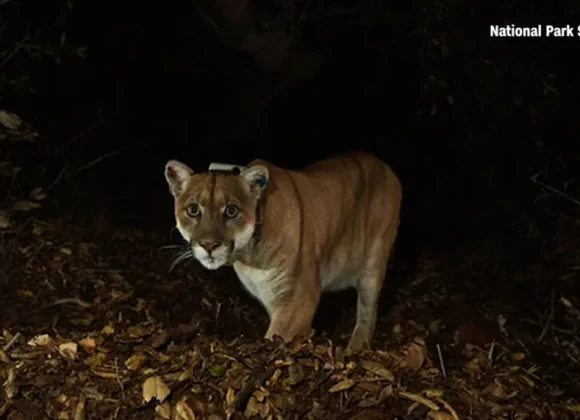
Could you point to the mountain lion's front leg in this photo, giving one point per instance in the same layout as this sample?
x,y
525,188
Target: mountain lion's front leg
x,y
293,317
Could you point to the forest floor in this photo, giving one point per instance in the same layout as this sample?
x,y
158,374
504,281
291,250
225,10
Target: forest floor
x,y
93,326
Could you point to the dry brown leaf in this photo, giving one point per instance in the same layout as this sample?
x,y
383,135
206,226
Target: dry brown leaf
x,y
419,399
10,385
448,408
342,386
440,415
4,357
415,354
26,205
252,408
4,219
163,411
38,194
230,396
186,374
68,350
66,251
135,361
10,120
378,369
154,387
183,411
295,374
79,410
108,329
139,331
274,378
433,393
41,340
88,344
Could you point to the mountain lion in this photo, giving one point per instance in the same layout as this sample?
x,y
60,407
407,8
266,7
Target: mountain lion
x,y
291,235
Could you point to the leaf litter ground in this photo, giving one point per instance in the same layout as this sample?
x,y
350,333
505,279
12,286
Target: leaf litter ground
x,y
93,327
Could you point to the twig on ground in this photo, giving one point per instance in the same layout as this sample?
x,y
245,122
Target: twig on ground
x,y
490,353
62,301
562,194
121,387
74,300
440,354
550,317
14,339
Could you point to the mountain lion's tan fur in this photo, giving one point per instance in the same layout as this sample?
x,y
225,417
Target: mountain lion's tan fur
x,y
291,235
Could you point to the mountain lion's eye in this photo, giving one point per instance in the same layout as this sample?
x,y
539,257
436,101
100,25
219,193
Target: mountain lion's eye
x,y
193,211
231,211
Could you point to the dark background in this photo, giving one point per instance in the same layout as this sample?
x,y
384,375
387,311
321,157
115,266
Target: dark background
x,y
464,119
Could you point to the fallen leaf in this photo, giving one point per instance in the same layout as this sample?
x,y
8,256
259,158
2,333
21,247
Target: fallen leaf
x,y
184,411
154,387
419,399
135,361
10,385
79,411
433,393
342,386
88,344
440,415
274,378
252,408
217,370
230,396
68,350
186,374
38,194
378,369
164,411
139,331
4,219
295,374
41,340
108,329
26,205
9,120
415,354
66,251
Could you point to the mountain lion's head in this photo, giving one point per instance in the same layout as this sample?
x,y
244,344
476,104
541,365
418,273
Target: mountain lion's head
x,y
215,211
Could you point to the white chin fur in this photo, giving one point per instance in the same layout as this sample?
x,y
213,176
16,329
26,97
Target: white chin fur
x,y
218,257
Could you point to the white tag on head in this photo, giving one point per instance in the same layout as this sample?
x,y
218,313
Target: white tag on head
x,y
216,166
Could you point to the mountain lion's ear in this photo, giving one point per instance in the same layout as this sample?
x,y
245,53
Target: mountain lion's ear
x,y
257,177
176,174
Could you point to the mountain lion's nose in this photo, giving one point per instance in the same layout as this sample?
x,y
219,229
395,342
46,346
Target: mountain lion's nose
x,y
209,246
